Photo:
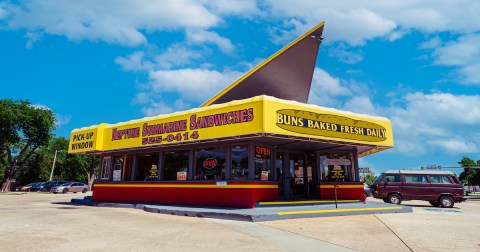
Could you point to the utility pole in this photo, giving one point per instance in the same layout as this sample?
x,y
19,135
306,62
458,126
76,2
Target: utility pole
x,y
53,166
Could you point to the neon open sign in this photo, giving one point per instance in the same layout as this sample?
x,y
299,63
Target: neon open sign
x,y
209,163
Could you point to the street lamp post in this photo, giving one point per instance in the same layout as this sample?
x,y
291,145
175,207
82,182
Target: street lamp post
x,y
53,165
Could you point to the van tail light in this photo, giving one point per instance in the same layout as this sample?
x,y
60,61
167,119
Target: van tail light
x,y
457,194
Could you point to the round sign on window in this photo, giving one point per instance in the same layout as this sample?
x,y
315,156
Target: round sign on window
x,y
209,163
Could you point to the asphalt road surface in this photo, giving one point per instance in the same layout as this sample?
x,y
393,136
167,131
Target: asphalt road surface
x,y
49,222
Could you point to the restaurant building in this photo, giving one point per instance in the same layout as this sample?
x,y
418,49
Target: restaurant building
x,y
255,141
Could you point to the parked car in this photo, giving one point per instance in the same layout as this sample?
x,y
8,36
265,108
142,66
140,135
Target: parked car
x,y
70,187
367,190
440,188
28,187
46,186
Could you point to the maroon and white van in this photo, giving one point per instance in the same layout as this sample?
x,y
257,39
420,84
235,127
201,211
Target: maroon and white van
x,y
440,188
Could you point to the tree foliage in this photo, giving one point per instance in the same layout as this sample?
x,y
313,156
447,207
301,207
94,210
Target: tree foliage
x,y
23,129
469,176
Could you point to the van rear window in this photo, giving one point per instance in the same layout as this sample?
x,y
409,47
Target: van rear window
x,y
440,179
391,178
415,178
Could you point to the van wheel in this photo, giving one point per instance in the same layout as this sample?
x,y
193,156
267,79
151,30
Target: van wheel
x,y
394,199
446,202
434,203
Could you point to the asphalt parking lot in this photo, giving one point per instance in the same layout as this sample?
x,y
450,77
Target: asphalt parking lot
x,y
48,222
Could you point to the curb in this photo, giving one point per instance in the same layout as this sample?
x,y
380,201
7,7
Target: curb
x,y
270,213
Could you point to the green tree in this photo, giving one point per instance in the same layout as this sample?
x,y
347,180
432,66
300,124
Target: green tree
x,y
23,129
370,177
72,167
469,176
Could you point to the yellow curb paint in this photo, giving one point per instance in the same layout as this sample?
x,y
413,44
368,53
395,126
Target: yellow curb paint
x,y
305,202
186,186
340,210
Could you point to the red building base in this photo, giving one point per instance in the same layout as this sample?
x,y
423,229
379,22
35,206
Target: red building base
x,y
344,190
220,193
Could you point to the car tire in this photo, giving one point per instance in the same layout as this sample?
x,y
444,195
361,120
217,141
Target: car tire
x,y
65,190
446,202
394,199
84,190
434,203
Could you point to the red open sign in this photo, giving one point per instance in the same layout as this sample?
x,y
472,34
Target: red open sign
x,y
210,163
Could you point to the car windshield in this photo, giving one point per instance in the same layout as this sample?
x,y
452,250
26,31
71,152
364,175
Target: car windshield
x,y
377,178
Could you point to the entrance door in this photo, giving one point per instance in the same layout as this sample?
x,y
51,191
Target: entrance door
x,y
298,176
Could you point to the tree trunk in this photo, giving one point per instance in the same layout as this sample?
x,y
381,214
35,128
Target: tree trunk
x,y
91,178
6,185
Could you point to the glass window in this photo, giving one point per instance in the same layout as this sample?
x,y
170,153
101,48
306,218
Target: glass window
x,y
117,168
391,178
337,167
210,163
263,163
147,167
440,180
176,165
239,162
105,174
416,178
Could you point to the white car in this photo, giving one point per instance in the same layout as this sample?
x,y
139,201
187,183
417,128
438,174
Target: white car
x,y
70,187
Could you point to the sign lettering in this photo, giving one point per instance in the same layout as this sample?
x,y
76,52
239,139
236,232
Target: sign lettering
x,y
310,123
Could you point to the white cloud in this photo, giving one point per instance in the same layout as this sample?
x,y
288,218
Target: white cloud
x,y
133,62
345,55
62,119
361,105
192,84
160,107
233,7
32,37
111,21
3,10
464,54
455,146
422,123
201,37
355,22
59,118
326,89
436,122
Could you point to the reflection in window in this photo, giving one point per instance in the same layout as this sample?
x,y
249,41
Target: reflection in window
x,y
337,167
440,180
105,174
239,162
175,162
415,178
391,178
147,167
117,168
210,163
263,163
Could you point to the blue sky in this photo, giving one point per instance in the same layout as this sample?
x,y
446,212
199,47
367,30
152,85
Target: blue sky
x,y
414,62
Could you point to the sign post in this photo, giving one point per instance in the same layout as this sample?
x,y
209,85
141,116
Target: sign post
x,y
364,170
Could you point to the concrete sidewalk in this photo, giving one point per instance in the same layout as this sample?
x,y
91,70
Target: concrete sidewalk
x,y
276,211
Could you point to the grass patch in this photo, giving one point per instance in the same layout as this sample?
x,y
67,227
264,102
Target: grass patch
x,y
12,193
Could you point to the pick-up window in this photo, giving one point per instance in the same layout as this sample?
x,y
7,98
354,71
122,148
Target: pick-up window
x,y
440,180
